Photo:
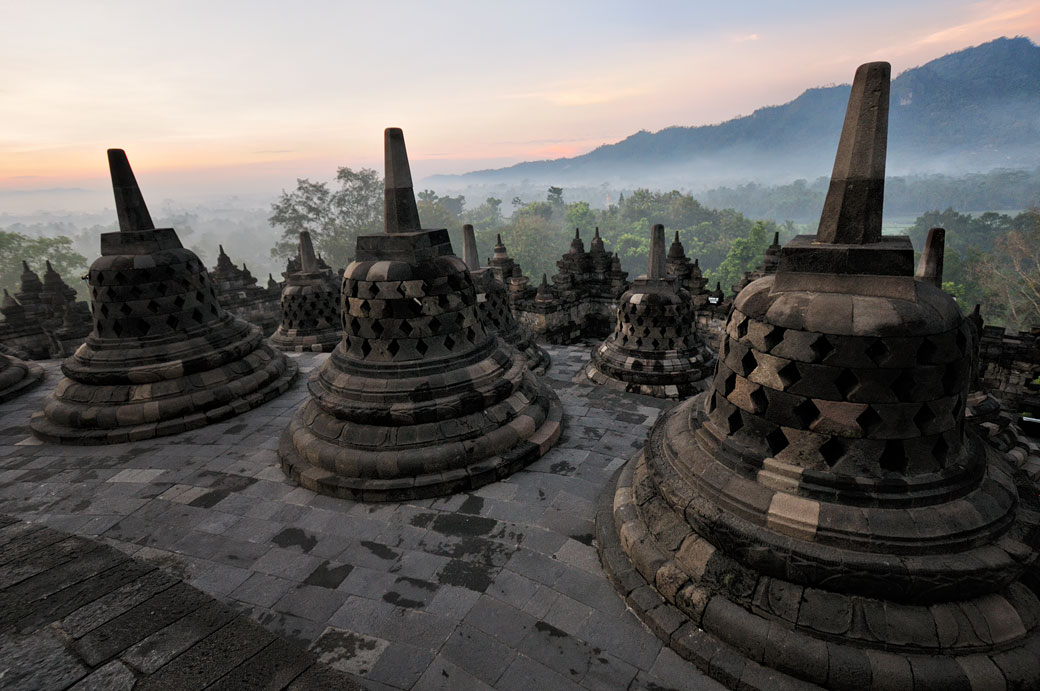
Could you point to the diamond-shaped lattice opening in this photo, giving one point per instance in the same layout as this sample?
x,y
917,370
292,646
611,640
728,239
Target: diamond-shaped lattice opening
x,y
366,347
821,348
104,310
774,337
366,309
777,441
213,310
406,327
789,375
807,413
125,309
393,348
904,385
421,346
171,321
868,420
178,301
846,383
742,327
200,296
725,348
135,291
729,383
152,306
924,417
471,335
449,342
117,328
831,451
926,352
100,278
748,363
759,400
734,422
196,314
162,289
941,452
354,325
893,458
878,351
962,342
378,328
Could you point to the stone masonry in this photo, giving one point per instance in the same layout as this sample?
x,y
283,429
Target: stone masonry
x,y
163,357
655,348
823,518
418,399
310,306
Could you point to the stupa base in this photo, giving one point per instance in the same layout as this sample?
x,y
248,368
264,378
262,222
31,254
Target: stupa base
x,y
237,402
18,378
291,342
666,387
752,633
514,446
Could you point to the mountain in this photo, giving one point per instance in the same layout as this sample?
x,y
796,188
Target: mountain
x,y
973,110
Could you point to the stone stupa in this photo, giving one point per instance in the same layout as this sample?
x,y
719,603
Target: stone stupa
x,y
655,349
16,375
163,357
822,518
310,306
493,306
418,399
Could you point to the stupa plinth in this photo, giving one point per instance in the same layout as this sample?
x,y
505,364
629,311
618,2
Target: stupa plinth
x,y
655,348
822,518
163,356
418,399
310,306
16,375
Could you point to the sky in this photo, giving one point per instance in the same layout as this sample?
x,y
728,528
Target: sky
x,y
222,97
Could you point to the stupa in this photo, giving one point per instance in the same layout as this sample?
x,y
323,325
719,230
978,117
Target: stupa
x,y
163,357
823,518
310,306
655,348
22,330
16,375
418,399
494,310
70,320
240,294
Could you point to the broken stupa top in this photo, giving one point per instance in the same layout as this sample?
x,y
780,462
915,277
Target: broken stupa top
x,y
418,399
163,355
823,511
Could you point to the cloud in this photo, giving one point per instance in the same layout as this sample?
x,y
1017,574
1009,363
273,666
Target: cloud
x,y
746,37
989,24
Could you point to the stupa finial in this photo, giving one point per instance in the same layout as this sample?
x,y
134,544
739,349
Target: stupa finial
x,y
852,210
402,214
130,207
469,248
308,262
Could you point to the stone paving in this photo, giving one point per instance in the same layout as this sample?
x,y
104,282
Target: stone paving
x,y
75,613
500,588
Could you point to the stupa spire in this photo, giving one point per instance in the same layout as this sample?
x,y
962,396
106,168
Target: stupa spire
x,y
308,262
130,207
469,248
402,214
658,261
852,210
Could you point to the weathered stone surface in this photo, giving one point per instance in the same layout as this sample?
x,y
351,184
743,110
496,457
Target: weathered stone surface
x,y
858,535
16,376
495,312
238,293
418,399
310,306
655,348
163,356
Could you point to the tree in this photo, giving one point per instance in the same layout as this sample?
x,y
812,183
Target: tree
x,y
744,255
1015,268
16,247
334,218
579,215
